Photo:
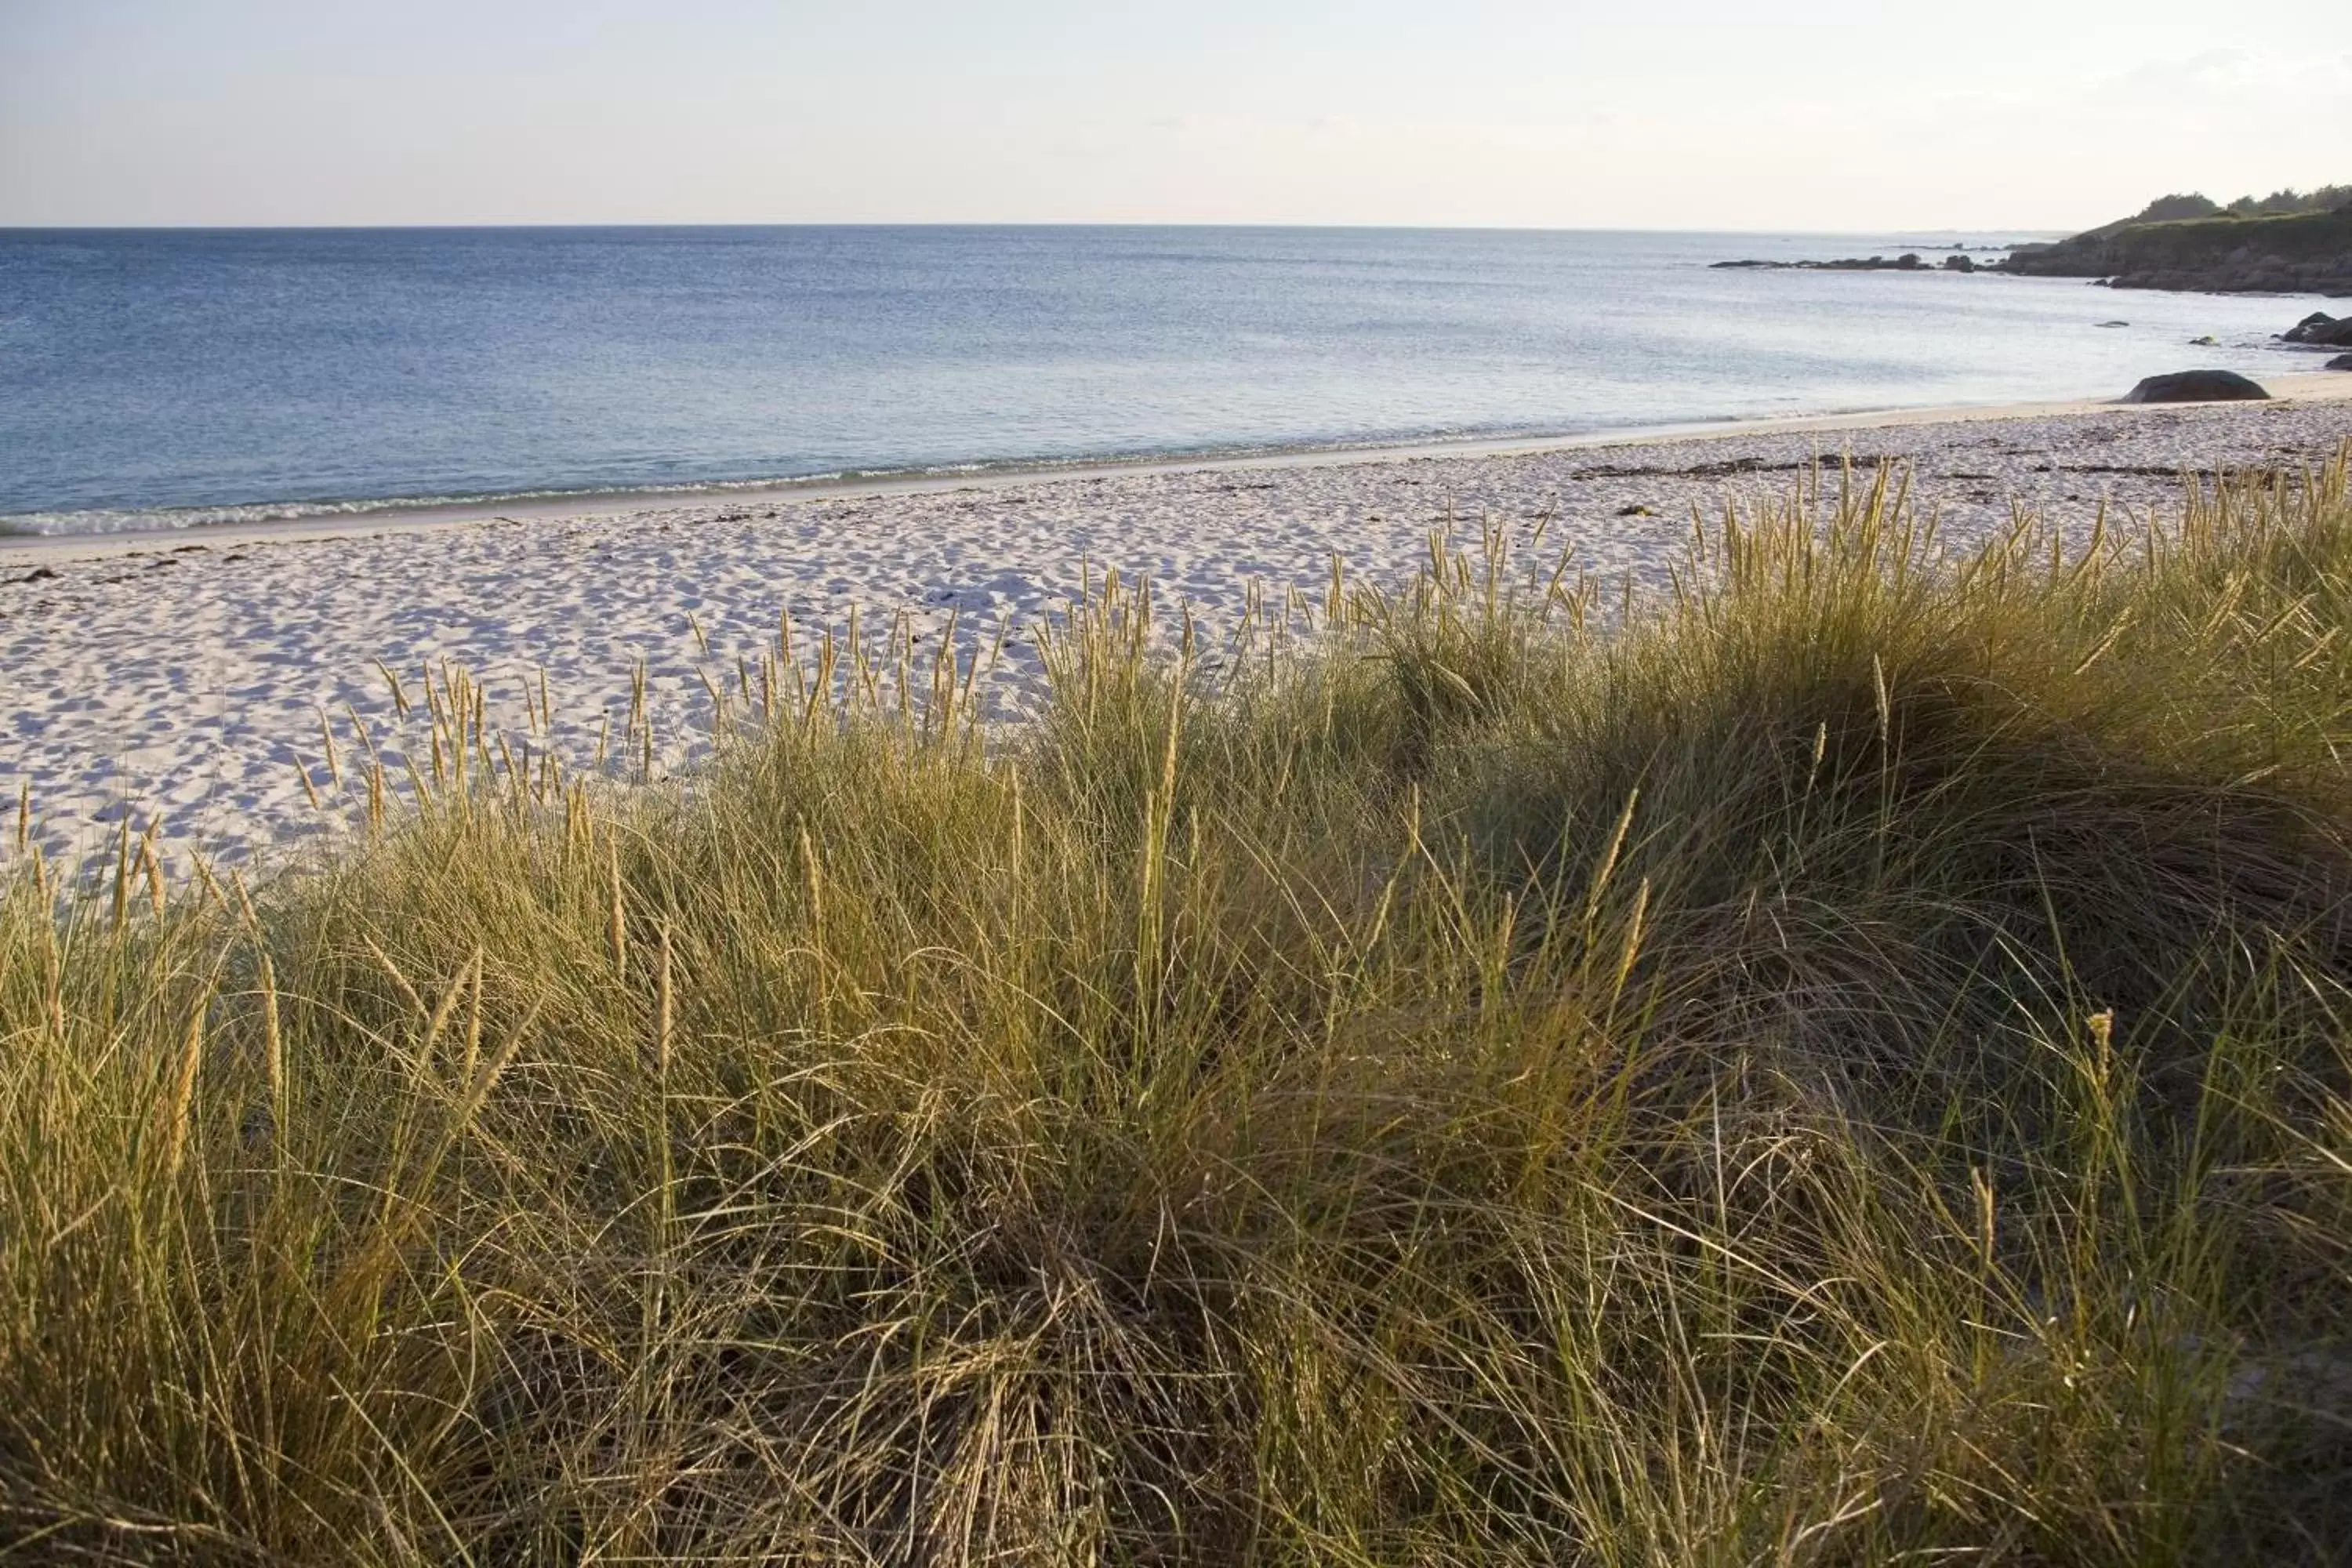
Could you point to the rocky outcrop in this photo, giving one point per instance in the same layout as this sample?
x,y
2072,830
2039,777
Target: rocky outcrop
x,y
2303,253
2196,386
1907,262
2341,362
2320,330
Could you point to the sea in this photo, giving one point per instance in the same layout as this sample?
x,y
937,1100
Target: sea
x,y
164,379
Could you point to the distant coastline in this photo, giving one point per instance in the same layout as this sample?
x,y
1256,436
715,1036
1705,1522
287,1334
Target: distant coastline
x,y
2297,253
2288,243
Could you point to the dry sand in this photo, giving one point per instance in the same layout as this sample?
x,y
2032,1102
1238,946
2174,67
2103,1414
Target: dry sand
x,y
182,681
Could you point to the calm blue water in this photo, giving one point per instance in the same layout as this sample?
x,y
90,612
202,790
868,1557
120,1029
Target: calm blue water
x,y
180,377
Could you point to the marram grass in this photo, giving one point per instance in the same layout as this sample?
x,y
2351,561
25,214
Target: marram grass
x,y
1844,1062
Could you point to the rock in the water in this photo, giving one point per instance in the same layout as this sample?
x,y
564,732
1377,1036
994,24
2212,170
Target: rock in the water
x,y
2115,323
2207,341
2196,386
2341,362
2321,331
1907,262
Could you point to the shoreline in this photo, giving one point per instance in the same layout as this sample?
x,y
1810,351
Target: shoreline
x,y
204,687
2289,387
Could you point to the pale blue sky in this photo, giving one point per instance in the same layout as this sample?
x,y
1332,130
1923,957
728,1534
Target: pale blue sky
x,y
1832,115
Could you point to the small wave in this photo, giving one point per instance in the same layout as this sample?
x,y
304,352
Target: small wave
x,y
150,519
155,520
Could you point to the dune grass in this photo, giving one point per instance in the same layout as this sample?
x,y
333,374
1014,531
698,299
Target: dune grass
x,y
1843,1063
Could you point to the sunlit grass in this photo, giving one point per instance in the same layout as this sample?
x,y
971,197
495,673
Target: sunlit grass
x,y
1846,1063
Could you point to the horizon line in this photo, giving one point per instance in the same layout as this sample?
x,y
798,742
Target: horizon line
x,y
194,227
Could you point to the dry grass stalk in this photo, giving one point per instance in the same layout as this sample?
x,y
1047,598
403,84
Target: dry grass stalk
x,y
1841,1061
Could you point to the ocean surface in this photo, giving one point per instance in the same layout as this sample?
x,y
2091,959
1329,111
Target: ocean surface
x,y
178,378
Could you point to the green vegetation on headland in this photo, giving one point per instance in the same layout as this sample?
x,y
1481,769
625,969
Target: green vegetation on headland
x,y
2284,244
2278,204
1848,1062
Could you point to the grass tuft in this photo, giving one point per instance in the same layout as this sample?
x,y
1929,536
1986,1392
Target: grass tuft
x,y
1844,1061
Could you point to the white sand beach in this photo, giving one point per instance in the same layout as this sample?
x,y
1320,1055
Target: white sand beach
x,y
182,682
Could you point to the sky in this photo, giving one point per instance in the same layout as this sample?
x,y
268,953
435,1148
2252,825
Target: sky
x,y
1824,115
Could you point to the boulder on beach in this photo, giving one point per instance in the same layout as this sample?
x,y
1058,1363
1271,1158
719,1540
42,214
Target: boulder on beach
x,y
2341,362
2196,386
